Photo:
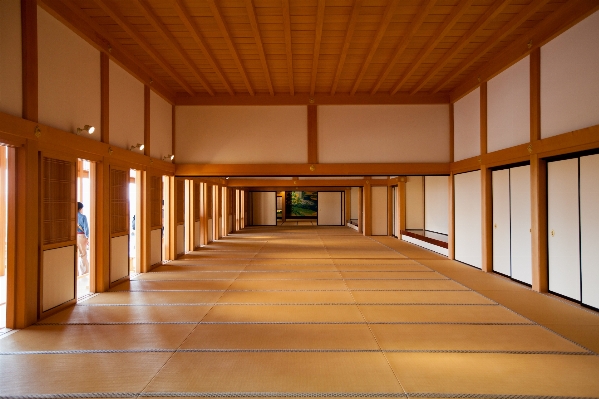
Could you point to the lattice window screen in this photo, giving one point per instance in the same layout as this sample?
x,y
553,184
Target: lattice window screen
x,y
119,203
180,201
156,201
196,201
58,201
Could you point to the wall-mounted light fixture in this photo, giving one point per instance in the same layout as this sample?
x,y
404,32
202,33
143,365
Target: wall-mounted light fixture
x,y
169,157
87,129
138,145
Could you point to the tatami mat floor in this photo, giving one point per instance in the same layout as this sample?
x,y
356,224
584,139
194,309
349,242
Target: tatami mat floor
x,y
308,311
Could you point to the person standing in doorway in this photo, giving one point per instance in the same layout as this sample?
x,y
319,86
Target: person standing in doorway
x,y
82,239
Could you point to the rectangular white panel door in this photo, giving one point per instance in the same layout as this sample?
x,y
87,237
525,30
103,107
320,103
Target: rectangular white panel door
x,y
329,208
501,221
589,229
58,278
180,239
379,211
119,257
521,242
264,208
468,248
155,246
563,228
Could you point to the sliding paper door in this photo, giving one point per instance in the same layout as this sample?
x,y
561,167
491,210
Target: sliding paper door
x,y
589,229
520,222
330,208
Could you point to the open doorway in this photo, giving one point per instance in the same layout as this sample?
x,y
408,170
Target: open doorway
x,y
3,233
85,211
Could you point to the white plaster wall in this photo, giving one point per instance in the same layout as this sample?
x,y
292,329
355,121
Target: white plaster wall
x,y
264,208
466,133
383,133
414,202
508,107
241,134
570,79
161,126
436,203
329,208
68,78
58,277
126,108
11,90
354,203
468,227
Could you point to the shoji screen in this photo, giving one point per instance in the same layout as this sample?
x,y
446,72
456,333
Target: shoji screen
x,y
589,228
468,248
329,208
563,226
379,211
520,222
501,222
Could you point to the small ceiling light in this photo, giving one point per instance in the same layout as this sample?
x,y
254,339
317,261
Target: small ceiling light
x,y
138,145
227,178
169,157
87,128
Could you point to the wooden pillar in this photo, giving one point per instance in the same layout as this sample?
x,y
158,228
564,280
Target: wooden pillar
x,y
189,216
451,224
143,224
451,133
203,215
30,59
401,205
390,219
367,209
486,219
217,205
538,197
173,130
347,206
483,118
11,238
361,210
312,134
172,218
104,98
102,232
147,142
3,205
535,95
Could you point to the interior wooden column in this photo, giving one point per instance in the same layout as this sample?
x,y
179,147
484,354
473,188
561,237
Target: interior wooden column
x,y
390,220
217,206
11,299
26,294
451,133
203,216
451,224
104,98
367,209
347,206
3,205
361,210
143,225
30,59
147,142
312,134
401,205
189,216
486,187
172,218
173,131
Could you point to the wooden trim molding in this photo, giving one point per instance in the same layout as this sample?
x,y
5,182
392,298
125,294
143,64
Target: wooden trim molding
x,y
147,143
483,118
30,59
535,95
104,98
312,134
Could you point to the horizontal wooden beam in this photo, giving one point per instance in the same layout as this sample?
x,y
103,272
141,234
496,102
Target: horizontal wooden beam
x,y
284,170
295,188
296,183
317,99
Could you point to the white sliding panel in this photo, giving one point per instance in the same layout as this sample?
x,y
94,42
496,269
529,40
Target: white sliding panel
x,y
329,208
379,210
563,228
436,204
58,278
468,246
155,246
264,208
589,229
521,243
119,257
501,222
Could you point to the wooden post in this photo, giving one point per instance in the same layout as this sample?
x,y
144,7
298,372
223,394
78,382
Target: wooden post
x,y
104,98
147,135
361,210
390,219
487,219
538,197
312,134
347,206
451,133
451,224
367,209
172,218
401,205
189,216
483,118
535,95
30,59
143,224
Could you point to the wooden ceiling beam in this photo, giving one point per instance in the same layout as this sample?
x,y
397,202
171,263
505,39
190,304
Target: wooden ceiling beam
x,y
499,35
232,49
249,5
443,30
288,50
201,43
317,41
488,16
294,184
172,42
405,40
144,44
387,16
351,27
73,17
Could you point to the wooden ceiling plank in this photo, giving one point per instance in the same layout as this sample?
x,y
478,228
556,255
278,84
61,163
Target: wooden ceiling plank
x,y
405,40
447,25
473,32
201,43
251,10
143,43
317,41
351,26
97,36
499,35
172,42
387,16
288,51
232,49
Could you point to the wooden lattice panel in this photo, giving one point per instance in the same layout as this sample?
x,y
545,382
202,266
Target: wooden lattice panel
x,y
180,201
156,201
58,201
119,201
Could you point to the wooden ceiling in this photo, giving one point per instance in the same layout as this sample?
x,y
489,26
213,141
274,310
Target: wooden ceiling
x,y
197,51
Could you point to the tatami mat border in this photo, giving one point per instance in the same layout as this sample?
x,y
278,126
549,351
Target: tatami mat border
x,y
290,304
292,322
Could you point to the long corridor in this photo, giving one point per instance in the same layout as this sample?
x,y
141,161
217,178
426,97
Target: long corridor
x,y
307,311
